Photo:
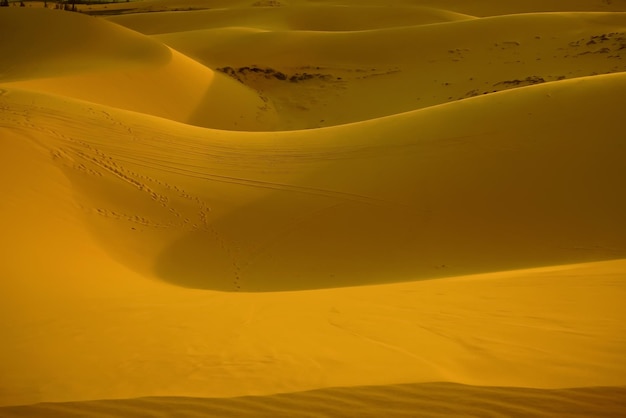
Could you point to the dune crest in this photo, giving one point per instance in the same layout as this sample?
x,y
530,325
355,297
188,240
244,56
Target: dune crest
x,y
304,18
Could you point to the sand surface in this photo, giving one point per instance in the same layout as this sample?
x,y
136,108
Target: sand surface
x,y
313,208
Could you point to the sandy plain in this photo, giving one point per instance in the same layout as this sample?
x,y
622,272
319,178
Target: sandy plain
x,y
313,208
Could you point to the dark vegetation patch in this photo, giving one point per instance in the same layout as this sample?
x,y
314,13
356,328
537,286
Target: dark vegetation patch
x,y
600,44
242,73
533,79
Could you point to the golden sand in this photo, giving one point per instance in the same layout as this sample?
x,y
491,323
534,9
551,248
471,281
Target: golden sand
x,y
313,208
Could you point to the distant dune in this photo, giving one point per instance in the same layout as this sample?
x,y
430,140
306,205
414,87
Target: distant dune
x,y
313,208
314,74
114,66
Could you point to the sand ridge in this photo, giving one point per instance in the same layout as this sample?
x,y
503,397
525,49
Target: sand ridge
x,y
103,181
427,400
413,67
282,198
235,202
121,77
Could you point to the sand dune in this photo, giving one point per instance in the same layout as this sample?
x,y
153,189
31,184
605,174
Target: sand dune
x,y
101,46
414,67
289,206
210,212
305,18
313,73
121,77
426,400
482,8
136,214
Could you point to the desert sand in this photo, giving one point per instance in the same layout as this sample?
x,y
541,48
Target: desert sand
x,y
313,208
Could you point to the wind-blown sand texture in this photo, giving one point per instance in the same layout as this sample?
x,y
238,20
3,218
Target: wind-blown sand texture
x,y
313,208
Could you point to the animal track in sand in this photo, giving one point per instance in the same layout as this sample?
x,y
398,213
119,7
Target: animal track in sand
x,y
136,219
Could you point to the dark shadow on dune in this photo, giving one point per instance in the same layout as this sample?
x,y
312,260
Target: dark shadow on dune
x,y
525,195
434,400
346,243
336,244
229,105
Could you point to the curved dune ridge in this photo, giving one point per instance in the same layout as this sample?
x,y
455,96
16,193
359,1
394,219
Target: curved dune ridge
x,y
111,65
305,18
313,208
312,77
234,211
430,400
101,45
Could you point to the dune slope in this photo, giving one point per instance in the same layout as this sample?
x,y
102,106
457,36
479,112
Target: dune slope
x,y
514,182
313,77
111,65
427,400
253,211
